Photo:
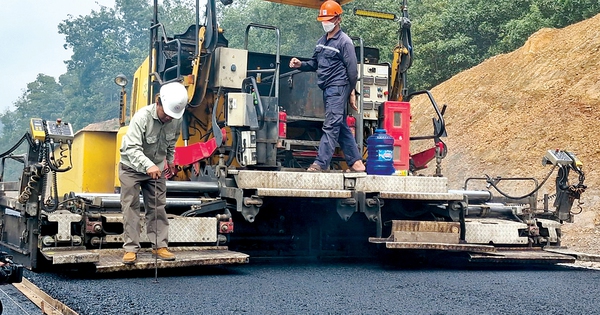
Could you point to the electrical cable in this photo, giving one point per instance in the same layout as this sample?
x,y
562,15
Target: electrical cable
x,y
235,133
27,137
26,193
491,182
239,154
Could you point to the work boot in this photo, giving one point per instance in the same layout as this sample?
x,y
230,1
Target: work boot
x,y
129,258
164,254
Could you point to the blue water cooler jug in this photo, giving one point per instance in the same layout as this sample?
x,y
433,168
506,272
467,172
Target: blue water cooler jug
x,y
380,150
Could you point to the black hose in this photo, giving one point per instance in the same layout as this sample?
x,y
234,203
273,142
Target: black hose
x,y
26,136
234,142
491,182
260,110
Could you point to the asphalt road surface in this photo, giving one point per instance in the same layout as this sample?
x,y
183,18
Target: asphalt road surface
x,y
328,288
16,303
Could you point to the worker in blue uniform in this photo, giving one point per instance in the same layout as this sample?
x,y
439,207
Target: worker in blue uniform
x,y
334,60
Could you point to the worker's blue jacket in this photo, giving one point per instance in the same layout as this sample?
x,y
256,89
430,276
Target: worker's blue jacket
x,y
334,60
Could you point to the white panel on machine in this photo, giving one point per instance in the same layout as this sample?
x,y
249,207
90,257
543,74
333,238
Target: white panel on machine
x,y
249,146
240,110
228,68
375,89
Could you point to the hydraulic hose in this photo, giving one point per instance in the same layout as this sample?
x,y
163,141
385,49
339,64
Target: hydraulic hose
x,y
26,136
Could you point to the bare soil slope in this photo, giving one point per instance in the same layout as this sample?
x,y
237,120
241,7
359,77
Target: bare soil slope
x,y
505,113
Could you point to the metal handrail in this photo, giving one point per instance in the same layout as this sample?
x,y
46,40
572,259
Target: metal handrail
x,y
163,43
277,54
359,120
438,112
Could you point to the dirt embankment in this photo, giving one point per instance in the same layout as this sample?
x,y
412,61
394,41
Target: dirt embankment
x,y
504,114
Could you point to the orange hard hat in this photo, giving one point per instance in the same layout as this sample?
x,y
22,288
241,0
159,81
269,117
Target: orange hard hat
x,y
329,10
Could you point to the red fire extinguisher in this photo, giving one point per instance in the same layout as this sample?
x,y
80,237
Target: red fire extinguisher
x,y
351,121
282,123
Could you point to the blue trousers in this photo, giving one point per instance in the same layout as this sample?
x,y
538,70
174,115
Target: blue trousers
x,y
335,128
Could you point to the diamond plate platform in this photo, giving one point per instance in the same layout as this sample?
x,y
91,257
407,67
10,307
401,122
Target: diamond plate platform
x,y
494,231
110,260
290,180
181,229
310,193
402,184
333,184
421,196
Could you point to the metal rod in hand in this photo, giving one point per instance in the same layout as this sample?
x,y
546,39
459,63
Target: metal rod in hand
x,y
155,233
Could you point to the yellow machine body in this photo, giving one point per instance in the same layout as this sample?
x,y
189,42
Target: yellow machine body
x,y
139,88
119,136
93,164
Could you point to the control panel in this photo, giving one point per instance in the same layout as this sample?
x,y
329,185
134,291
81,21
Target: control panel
x,y
38,132
375,89
56,130
557,157
228,68
59,130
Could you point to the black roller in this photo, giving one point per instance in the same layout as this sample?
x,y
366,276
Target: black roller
x,y
197,187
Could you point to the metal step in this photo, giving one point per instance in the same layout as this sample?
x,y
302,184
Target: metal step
x,y
433,246
485,254
110,260
521,256
578,255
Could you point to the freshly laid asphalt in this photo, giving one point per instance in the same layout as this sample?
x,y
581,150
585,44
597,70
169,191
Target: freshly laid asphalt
x,y
16,303
284,287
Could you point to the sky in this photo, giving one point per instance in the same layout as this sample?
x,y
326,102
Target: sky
x,y
31,43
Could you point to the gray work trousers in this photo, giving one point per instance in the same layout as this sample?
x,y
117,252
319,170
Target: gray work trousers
x,y
156,216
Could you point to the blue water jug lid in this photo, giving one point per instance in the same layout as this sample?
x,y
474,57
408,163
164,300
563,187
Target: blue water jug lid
x,y
380,131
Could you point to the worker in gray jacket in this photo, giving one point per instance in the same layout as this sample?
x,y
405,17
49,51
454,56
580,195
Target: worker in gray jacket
x,y
148,143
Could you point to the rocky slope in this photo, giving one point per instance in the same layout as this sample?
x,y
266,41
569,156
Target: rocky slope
x,y
505,113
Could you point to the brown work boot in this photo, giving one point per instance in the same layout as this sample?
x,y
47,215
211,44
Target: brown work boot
x,y
129,258
164,254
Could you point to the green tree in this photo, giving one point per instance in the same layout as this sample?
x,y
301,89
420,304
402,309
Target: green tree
x,y
298,27
42,99
105,43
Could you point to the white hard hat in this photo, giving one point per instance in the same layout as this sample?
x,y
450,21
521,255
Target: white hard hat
x,y
174,98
